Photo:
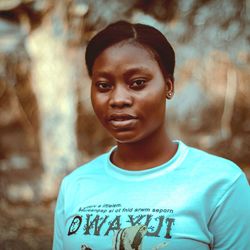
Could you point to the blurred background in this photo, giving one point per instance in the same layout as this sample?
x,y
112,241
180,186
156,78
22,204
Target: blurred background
x,y
47,126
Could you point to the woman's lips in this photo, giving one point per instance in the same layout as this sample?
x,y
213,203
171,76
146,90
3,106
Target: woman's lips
x,y
122,121
123,124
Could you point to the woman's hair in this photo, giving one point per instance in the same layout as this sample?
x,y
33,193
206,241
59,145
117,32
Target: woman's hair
x,y
145,35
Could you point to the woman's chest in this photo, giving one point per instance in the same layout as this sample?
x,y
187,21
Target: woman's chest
x,y
132,218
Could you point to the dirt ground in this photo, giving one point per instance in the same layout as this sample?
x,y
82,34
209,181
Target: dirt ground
x,y
26,227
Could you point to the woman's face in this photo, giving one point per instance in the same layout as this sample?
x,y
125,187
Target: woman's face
x,y
128,92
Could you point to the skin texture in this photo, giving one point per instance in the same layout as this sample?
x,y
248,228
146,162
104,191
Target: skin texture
x,y
128,95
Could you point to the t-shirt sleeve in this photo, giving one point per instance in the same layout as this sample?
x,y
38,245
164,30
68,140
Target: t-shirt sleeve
x,y
59,220
230,223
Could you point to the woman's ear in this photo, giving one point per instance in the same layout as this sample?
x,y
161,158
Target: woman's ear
x,y
170,87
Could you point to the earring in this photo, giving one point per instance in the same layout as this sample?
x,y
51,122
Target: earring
x,y
170,94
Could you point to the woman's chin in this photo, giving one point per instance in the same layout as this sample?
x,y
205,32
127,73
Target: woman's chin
x,y
126,137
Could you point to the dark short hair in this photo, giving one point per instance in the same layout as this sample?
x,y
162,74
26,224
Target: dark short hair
x,y
145,35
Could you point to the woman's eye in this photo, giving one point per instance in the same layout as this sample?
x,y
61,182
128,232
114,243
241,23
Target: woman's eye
x,y
138,83
103,86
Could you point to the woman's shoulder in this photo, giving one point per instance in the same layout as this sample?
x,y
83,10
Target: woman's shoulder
x,y
93,167
212,175
212,165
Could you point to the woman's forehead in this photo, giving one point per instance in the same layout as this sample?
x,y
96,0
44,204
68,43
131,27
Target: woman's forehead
x,y
129,55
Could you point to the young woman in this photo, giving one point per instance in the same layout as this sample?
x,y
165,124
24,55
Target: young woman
x,y
148,192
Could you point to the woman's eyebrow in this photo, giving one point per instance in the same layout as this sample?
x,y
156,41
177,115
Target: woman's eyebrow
x,y
127,73
136,70
103,74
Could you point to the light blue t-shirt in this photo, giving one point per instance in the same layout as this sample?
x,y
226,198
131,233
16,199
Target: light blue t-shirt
x,y
195,201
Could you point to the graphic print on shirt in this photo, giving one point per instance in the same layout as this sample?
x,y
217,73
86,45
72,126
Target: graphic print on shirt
x,y
75,224
130,238
127,226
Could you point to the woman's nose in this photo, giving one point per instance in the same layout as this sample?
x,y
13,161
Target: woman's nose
x,y
120,97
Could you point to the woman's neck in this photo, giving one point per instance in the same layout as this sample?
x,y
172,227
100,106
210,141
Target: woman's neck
x,y
150,152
